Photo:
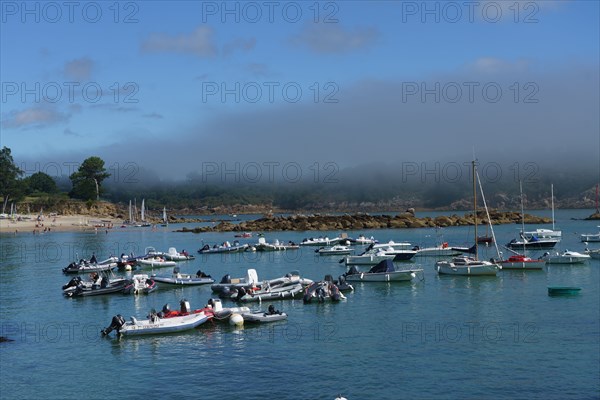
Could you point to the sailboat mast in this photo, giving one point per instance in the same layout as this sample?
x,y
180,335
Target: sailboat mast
x,y
552,195
475,207
597,209
522,215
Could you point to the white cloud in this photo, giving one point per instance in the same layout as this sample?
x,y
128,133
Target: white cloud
x,y
239,44
333,39
79,69
199,43
34,117
492,65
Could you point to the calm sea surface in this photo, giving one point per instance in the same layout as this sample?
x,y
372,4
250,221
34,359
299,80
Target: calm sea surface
x,y
436,338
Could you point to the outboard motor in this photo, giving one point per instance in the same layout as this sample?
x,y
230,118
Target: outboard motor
x,y
206,247
226,279
201,274
240,293
176,270
117,322
165,310
272,311
353,270
73,282
185,306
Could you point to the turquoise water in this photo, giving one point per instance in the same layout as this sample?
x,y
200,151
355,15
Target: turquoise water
x,y
442,337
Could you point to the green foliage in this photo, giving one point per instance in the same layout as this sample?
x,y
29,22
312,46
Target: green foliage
x,y
11,188
88,179
40,183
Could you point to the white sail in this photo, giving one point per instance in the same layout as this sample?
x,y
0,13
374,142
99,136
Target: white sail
x,y
142,211
165,215
130,212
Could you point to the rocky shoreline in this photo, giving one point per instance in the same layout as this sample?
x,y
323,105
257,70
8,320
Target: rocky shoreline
x,y
363,221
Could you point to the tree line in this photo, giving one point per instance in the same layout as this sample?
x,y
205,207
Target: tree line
x,y
86,181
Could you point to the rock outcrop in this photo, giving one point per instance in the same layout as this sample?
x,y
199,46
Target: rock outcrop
x,y
364,221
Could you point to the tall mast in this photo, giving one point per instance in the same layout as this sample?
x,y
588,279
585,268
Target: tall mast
x,y
522,215
552,195
475,207
597,209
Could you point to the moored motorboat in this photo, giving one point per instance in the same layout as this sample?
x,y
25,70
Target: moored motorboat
x,y
228,283
262,245
96,286
155,262
140,283
566,257
401,251
322,291
533,243
266,293
591,237
362,240
155,324
370,257
177,278
443,250
85,266
271,315
320,241
385,271
593,253
174,255
334,250
223,248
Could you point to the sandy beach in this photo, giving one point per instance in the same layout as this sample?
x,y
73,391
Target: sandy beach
x,y
30,223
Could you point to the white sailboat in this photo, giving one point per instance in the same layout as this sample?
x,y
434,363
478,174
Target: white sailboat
x,y
469,266
521,261
164,217
130,213
551,234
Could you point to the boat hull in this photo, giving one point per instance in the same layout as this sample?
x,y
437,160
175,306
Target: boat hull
x,y
563,290
165,325
367,260
156,264
396,276
523,265
448,268
190,281
261,317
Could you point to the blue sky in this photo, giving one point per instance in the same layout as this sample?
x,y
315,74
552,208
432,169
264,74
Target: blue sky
x,y
162,68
